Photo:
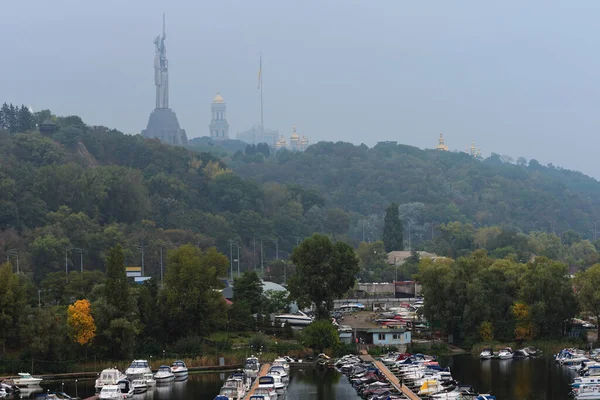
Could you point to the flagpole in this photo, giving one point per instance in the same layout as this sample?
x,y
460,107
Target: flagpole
x,y
262,126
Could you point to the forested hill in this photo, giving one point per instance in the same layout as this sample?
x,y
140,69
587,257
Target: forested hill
x,y
445,186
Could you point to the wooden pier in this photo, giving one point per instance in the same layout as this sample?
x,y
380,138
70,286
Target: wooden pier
x,y
263,371
391,377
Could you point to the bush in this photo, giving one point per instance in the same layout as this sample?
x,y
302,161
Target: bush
x,y
258,342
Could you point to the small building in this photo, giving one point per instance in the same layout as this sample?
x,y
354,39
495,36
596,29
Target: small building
x,y
390,337
346,337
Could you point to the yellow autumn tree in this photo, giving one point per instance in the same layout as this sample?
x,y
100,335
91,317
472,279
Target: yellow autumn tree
x,y
81,322
524,327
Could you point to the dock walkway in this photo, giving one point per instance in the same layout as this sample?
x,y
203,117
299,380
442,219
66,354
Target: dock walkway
x,y
391,377
263,371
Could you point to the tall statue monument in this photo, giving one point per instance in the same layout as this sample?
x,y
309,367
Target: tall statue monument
x,y
161,70
163,123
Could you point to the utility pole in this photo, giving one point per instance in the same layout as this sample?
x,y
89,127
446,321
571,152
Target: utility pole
x,y
80,264
254,253
231,257
66,264
141,248
262,265
161,267
238,259
39,298
297,241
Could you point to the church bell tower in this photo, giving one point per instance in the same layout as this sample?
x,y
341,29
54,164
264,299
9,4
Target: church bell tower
x,y
219,128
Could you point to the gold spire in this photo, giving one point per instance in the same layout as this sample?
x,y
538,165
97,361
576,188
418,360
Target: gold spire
x,y
441,145
281,143
218,98
294,137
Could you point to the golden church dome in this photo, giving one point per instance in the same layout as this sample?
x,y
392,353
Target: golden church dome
x,y
281,143
218,98
295,137
304,140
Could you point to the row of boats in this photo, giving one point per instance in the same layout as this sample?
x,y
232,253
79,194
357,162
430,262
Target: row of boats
x,y
586,385
508,354
138,378
420,373
272,386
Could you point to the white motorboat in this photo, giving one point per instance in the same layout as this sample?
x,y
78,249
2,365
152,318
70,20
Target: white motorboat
x,y
3,392
139,386
149,378
261,397
297,318
588,392
25,379
486,354
237,385
110,376
110,392
278,384
281,362
179,370
164,375
230,393
251,367
126,388
505,354
272,394
137,369
281,372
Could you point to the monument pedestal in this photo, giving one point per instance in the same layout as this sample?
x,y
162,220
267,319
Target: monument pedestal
x,y
163,124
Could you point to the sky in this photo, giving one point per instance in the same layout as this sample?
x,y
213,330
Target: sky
x,y
516,78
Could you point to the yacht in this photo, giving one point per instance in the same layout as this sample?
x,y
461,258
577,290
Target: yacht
x,y
239,374
110,392
230,393
261,397
486,354
505,354
149,378
164,375
279,370
237,385
9,386
126,388
179,370
3,392
281,362
137,369
297,318
139,386
269,394
251,367
110,376
25,379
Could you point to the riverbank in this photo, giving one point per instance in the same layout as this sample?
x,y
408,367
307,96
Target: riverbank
x,y
548,347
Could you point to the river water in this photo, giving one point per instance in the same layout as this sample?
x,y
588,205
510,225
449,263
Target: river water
x,y
530,379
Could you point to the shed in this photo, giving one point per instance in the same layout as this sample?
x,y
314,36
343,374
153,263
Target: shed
x,y
390,337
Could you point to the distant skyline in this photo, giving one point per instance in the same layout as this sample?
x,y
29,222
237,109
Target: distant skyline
x,y
517,79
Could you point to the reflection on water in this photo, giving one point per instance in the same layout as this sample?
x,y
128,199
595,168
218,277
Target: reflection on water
x,y
305,384
519,379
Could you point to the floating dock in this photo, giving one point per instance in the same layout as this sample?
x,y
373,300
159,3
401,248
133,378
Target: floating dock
x,y
391,377
263,371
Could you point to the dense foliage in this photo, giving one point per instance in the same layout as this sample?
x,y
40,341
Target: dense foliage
x,y
477,297
435,187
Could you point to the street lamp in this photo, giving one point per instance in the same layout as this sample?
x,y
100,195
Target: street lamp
x,y
14,253
80,264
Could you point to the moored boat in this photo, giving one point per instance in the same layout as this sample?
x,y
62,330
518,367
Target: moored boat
x,y
110,392
25,379
505,354
149,378
180,370
251,367
137,369
109,376
164,375
139,386
486,354
298,318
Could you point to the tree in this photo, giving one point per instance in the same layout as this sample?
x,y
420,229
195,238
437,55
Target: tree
x,y
277,301
249,289
12,300
324,271
320,335
190,299
587,290
392,229
117,288
81,322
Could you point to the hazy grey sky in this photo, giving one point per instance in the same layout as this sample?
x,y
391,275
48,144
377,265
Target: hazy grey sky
x,y
517,78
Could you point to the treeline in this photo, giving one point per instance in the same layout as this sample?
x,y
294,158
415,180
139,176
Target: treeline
x,y
81,188
434,187
128,319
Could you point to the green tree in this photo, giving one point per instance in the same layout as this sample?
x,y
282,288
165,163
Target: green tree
x,y
116,287
277,301
12,300
587,290
320,335
324,271
393,235
249,289
190,302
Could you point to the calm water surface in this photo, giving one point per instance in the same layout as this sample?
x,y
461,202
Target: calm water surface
x,y
305,384
531,379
